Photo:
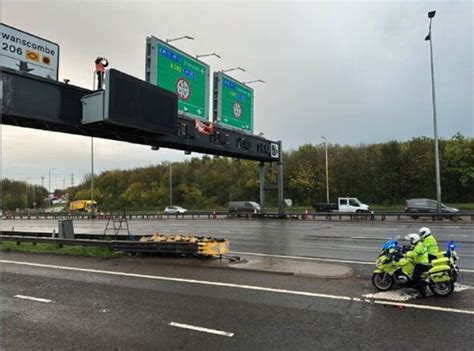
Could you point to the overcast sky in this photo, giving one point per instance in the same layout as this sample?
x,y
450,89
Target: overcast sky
x,y
355,72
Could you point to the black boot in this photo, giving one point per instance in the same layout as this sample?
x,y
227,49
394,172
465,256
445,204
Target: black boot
x,y
422,291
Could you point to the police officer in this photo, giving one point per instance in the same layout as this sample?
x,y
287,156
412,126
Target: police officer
x,y
429,241
419,254
100,64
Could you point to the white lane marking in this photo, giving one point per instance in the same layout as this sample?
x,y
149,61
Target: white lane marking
x,y
201,329
461,287
406,294
181,280
394,295
319,259
421,307
32,298
302,258
229,285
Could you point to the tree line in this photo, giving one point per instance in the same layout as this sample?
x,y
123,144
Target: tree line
x,y
20,195
381,173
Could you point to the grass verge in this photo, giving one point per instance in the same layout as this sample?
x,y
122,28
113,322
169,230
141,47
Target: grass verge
x,y
88,251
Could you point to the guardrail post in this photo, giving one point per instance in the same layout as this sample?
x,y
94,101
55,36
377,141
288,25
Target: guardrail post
x,y
262,168
280,179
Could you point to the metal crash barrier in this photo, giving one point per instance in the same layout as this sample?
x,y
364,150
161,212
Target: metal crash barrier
x,y
186,245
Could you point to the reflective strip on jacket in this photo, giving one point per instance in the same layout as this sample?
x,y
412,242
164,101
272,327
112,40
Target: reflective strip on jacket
x,y
418,253
431,244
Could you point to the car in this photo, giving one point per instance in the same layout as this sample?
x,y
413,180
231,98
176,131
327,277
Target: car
x,y
344,204
243,207
175,210
427,206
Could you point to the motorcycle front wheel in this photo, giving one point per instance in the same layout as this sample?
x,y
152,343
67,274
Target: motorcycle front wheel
x,y
382,281
442,289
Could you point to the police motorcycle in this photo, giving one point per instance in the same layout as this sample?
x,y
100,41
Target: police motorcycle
x,y
453,258
394,268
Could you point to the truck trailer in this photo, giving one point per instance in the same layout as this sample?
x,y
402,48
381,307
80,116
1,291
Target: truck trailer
x,y
88,206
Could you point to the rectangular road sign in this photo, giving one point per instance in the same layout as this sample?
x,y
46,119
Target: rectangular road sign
x,y
28,53
233,103
176,71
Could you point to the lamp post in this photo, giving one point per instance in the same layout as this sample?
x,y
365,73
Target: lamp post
x,y
49,179
179,38
253,81
206,55
327,168
92,170
429,38
233,69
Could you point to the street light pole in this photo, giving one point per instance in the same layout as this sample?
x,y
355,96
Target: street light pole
x,y
49,179
179,38
233,69
171,185
431,14
327,169
92,169
253,81
206,55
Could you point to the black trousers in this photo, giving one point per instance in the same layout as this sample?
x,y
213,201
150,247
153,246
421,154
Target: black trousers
x,y
100,80
431,257
419,270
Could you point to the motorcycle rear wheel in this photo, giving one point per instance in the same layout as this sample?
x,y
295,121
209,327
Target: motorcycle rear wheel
x,y
454,275
382,281
442,289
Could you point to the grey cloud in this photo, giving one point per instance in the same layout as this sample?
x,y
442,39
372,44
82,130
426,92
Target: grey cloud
x,y
352,71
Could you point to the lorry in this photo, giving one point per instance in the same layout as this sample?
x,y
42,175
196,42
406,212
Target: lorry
x,y
88,206
344,204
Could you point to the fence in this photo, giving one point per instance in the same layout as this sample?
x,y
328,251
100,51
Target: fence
x,y
223,214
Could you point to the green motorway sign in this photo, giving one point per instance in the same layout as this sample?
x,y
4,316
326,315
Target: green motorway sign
x,y
176,71
233,103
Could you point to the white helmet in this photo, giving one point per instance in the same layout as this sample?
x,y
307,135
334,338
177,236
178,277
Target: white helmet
x,y
413,238
424,232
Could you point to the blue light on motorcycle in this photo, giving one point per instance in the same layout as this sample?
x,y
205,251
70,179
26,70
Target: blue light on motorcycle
x,y
451,245
390,244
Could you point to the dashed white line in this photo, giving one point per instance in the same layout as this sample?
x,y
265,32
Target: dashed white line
x,y
24,297
201,329
235,286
